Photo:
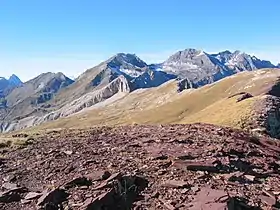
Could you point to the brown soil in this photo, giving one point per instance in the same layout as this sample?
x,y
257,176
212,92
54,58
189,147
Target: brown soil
x,y
195,166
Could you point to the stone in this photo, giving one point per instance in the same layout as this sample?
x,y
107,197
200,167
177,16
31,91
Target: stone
x,y
155,195
32,195
176,184
244,96
9,196
117,175
209,198
9,178
23,201
232,176
68,152
250,177
268,200
105,175
10,186
161,157
55,196
167,204
102,186
103,201
79,181
201,166
195,189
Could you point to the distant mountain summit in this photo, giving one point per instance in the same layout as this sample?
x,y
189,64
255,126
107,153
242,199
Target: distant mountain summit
x,y
241,61
7,85
128,64
14,80
40,89
204,68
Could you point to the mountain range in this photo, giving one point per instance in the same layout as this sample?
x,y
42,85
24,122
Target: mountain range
x,y
51,96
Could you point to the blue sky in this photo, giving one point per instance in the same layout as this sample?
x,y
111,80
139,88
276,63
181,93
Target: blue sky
x,y
70,36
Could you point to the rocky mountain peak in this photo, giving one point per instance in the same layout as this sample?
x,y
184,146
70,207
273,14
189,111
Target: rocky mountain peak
x,y
237,52
184,55
223,56
124,59
14,80
127,64
7,85
226,52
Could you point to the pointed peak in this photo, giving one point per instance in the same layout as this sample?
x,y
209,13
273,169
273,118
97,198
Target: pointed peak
x,y
238,52
126,56
192,51
14,80
188,53
13,76
121,59
226,52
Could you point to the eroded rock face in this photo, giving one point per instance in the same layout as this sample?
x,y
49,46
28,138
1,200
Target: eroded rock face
x,y
144,167
268,112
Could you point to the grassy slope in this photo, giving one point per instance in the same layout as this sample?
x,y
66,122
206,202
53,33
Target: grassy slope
x,y
163,104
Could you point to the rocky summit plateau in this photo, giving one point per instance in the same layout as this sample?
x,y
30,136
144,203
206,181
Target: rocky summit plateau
x,y
198,131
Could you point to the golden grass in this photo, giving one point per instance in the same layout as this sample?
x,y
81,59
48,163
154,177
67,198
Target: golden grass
x,y
15,142
226,112
209,104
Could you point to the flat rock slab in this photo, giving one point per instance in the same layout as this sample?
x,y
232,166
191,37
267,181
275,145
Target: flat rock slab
x,y
210,199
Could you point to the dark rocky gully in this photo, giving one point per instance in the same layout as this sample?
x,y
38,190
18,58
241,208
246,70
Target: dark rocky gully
x,y
170,167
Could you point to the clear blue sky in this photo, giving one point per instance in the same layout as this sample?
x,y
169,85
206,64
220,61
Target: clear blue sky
x,y
70,36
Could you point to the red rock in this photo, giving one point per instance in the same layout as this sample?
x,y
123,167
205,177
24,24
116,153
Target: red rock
x,y
32,195
55,196
201,166
210,199
268,200
114,176
10,186
176,184
79,181
167,204
250,177
68,152
9,196
103,185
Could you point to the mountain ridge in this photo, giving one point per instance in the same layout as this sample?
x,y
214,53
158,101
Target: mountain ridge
x,y
51,96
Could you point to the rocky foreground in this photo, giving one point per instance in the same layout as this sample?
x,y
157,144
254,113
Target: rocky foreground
x,y
143,167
